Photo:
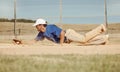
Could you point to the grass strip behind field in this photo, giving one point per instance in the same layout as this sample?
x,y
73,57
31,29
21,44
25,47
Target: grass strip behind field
x,y
60,63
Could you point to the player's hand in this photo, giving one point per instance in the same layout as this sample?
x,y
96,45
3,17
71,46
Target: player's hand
x,y
16,41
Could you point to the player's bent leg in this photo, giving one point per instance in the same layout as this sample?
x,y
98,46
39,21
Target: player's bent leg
x,y
74,36
99,40
93,33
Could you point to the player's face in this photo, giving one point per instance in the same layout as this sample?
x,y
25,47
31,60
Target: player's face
x,y
41,28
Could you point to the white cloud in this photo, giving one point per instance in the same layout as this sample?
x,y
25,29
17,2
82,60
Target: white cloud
x,y
112,2
114,8
6,8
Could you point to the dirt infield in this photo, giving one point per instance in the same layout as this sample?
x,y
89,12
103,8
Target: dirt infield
x,y
11,49
28,33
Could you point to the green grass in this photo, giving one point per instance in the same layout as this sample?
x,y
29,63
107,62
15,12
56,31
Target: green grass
x,y
60,63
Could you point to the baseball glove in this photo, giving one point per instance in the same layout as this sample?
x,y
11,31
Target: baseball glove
x,y
16,41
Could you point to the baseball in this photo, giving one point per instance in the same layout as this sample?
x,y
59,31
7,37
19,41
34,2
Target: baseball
x,y
17,42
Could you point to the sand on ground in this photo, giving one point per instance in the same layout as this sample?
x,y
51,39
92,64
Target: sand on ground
x,y
46,47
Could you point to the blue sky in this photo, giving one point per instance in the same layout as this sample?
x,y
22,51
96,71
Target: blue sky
x,y
73,11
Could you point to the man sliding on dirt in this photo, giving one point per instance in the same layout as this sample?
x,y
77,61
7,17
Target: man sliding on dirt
x,y
57,35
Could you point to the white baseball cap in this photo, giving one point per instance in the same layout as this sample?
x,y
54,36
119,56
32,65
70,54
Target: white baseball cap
x,y
40,21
